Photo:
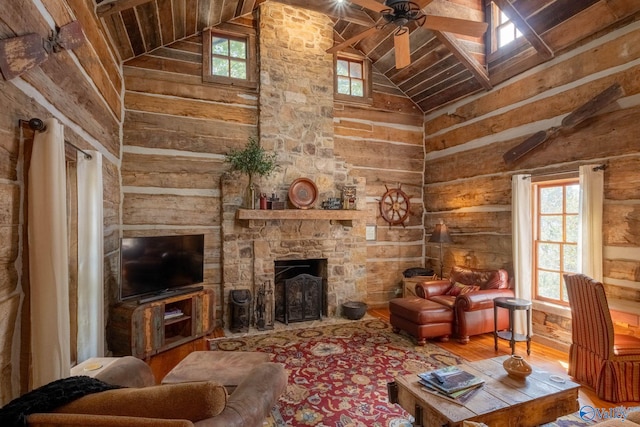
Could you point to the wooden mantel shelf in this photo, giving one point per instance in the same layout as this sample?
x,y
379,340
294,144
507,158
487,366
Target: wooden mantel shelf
x,y
313,214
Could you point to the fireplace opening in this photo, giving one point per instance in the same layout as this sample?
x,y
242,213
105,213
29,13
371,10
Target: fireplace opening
x,y
300,290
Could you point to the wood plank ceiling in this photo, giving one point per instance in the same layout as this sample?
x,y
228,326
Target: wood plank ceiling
x,y
444,68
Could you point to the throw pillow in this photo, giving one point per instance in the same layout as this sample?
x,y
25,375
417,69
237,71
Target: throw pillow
x,y
192,401
461,289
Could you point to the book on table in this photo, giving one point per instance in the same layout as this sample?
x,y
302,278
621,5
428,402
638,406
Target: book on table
x,y
450,381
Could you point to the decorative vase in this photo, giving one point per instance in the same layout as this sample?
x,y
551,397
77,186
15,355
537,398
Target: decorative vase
x,y
517,367
250,196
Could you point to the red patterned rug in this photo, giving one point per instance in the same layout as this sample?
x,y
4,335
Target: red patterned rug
x,y
338,374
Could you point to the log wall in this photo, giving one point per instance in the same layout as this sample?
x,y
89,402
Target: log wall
x,y
177,131
468,185
82,89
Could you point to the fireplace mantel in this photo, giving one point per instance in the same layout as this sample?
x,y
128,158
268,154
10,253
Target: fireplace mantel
x,y
344,215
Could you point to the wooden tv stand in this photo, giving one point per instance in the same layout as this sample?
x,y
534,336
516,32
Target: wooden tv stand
x,y
142,330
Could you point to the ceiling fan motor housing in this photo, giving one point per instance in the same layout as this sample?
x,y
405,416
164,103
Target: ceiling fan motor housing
x,y
401,12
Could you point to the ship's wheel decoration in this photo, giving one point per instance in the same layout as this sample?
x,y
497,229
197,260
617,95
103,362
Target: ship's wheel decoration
x,y
395,205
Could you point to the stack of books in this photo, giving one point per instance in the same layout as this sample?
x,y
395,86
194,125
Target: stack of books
x,y
451,383
172,314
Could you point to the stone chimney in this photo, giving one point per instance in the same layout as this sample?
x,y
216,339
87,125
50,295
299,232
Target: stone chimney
x,y
296,122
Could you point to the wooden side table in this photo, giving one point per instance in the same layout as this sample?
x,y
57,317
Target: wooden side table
x,y
511,304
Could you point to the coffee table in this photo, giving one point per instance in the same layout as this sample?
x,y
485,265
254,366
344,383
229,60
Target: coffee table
x,y
542,397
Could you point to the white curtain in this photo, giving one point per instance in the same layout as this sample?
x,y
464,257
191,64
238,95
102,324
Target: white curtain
x,y
48,257
522,242
590,237
90,257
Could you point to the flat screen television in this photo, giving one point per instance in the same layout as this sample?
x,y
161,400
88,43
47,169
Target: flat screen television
x,y
160,265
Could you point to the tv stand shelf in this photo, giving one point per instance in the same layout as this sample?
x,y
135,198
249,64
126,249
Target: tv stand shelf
x,y
142,330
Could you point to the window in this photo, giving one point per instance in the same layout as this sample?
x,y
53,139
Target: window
x,y
229,57
555,237
506,31
502,35
352,79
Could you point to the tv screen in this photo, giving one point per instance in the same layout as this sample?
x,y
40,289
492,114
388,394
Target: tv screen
x,y
153,265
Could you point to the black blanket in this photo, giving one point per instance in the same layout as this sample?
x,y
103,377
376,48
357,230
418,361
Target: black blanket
x,y
49,397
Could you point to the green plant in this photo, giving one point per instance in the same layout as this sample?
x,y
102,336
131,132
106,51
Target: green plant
x,y
252,160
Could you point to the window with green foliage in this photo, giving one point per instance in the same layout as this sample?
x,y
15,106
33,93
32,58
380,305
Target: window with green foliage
x,y
229,57
352,79
556,230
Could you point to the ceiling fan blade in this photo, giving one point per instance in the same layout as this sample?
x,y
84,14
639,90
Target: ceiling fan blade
x,y
371,5
70,36
19,54
455,25
529,144
402,49
352,40
595,104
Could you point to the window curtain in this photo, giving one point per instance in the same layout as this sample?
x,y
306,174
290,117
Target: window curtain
x,y
590,217
522,241
90,257
48,257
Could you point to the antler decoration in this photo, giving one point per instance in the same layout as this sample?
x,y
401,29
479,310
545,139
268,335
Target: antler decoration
x,y
20,54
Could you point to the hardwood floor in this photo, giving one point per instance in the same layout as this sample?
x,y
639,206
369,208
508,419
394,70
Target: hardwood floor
x,y
480,347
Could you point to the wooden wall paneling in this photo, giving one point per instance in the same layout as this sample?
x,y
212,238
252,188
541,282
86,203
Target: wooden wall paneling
x,y
191,21
179,19
621,182
197,135
190,108
130,21
162,171
170,209
165,17
114,25
112,88
155,63
147,14
451,94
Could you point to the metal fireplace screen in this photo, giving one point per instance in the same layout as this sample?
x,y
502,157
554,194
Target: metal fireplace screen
x,y
299,299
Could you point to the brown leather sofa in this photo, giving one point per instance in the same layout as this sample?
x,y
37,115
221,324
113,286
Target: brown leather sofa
x,y
473,309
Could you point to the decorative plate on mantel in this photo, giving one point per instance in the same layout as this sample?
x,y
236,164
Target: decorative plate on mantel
x,y
303,193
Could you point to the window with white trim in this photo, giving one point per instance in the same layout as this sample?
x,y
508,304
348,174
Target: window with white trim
x,y
352,78
556,228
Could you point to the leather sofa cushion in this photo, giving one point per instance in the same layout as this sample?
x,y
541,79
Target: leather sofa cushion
x,y
193,401
446,300
461,289
486,279
420,311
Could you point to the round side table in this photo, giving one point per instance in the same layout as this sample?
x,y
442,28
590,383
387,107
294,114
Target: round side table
x,y
511,304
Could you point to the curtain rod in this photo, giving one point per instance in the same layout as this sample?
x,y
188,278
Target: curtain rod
x,y
595,168
37,124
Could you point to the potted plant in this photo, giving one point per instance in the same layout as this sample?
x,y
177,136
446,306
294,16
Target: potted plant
x,y
252,160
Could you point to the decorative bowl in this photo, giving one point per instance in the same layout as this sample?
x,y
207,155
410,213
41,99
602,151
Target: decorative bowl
x,y
517,367
354,310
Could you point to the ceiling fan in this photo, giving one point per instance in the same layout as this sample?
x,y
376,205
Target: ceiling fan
x,y
21,53
588,109
401,13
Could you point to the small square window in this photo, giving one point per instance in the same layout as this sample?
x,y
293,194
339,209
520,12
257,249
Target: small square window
x,y
353,79
229,58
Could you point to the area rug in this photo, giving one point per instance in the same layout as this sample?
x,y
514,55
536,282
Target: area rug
x,y
338,374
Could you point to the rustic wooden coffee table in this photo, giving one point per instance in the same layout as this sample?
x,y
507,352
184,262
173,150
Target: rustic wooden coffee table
x,y
502,401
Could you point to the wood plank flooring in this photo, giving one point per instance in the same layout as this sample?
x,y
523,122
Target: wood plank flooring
x,y
479,347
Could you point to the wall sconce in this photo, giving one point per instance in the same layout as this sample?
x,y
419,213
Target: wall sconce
x,y
440,235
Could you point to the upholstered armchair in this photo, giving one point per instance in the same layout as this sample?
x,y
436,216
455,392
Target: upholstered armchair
x,y
470,292
598,357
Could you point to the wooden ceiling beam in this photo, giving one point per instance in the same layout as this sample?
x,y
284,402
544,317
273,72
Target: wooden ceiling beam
x,y
527,32
114,6
460,52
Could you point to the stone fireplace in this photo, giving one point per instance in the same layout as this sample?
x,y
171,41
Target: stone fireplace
x,y
296,122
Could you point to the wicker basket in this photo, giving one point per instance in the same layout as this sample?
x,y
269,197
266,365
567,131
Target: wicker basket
x,y
354,310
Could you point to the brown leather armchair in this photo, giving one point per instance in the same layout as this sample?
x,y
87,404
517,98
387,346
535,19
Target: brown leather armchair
x,y
472,304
